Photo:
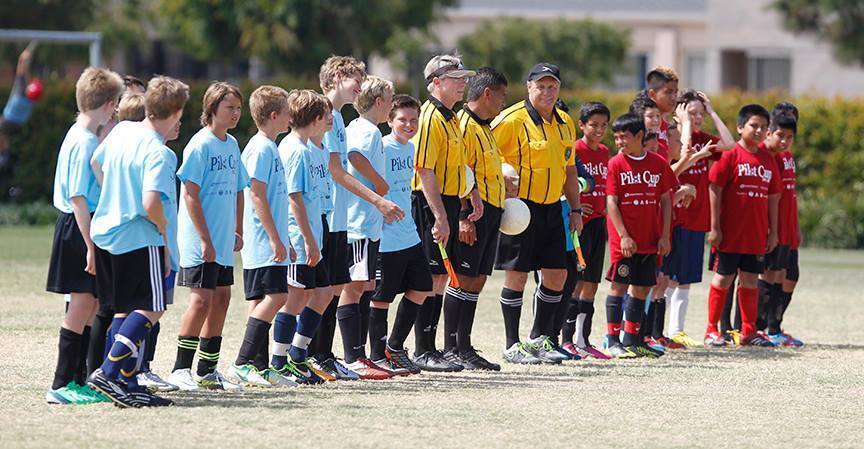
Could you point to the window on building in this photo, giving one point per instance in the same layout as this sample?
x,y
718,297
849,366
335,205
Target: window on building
x,y
631,76
769,73
695,70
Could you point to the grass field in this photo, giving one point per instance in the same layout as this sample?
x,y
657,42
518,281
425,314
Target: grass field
x,y
813,397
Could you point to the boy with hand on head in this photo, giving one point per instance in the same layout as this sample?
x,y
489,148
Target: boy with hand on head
x,y
593,121
210,231
745,181
266,252
365,224
778,282
637,187
72,267
402,266
309,293
133,234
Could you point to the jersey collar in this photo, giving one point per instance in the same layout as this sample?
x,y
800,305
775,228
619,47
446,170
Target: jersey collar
x,y
535,116
475,117
444,110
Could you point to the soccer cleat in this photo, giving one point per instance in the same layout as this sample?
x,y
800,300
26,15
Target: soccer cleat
x,y
619,351
321,370
792,341
66,395
733,337
570,350
400,358
249,375
714,340
301,372
342,372
152,382
452,356
92,396
592,351
435,361
183,380
327,366
543,348
683,339
777,339
669,344
643,350
114,390
367,369
654,344
277,380
471,360
144,398
519,355
386,365
756,340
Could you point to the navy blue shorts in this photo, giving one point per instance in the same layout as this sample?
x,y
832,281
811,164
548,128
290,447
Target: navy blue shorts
x,y
684,264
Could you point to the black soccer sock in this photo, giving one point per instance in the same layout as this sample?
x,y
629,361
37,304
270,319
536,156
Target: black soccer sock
x,y
435,319
511,308
350,328
466,320
68,350
645,326
186,348
80,376
772,306
377,333
766,290
208,354
559,317
737,309
726,316
365,301
568,327
634,312
584,322
659,318
452,310
785,299
546,301
96,346
150,347
406,316
423,326
251,345
614,317
323,340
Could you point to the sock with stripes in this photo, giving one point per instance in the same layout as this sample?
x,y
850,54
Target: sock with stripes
x,y
307,325
116,324
466,320
614,317
208,354
126,344
452,310
511,308
634,310
284,326
187,345
406,316
377,333
546,301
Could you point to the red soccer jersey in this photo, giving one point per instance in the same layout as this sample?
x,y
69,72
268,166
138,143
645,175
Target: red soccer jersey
x,y
638,184
595,161
747,180
697,216
788,215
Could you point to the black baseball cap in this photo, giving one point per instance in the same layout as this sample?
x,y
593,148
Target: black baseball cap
x,y
544,69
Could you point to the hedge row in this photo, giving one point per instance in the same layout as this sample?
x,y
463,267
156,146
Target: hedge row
x,y
829,151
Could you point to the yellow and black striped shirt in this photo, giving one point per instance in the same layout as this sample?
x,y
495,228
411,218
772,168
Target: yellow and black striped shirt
x,y
482,156
438,146
541,151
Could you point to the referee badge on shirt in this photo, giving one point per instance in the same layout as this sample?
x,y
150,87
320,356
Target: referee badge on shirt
x,y
623,270
567,152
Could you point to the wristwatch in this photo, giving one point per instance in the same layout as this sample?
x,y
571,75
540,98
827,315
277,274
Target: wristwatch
x,y
578,210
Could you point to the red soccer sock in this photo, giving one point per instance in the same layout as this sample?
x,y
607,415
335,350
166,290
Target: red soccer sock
x,y
748,298
716,299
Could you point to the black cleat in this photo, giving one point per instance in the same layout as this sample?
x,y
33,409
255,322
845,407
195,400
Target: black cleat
x,y
756,340
399,358
435,361
452,355
147,399
471,360
114,390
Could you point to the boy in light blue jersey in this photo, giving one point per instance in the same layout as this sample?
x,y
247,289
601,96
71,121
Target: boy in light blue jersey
x,y
130,231
340,78
402,265
266,252
210,230
308,282
365,222
72,266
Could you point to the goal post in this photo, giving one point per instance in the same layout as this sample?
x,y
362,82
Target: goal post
x,y
90,38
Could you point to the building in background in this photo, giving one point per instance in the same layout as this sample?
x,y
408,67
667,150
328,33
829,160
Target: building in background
x,y
713,44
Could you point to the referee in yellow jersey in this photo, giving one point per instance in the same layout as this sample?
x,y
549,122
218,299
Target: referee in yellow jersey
x,y
439,179
474,253
537,139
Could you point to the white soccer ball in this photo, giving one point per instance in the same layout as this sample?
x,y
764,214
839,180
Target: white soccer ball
x,y
510,172
516,217
469,182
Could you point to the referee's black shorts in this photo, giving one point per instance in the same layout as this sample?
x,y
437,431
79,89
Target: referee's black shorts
x,y
474,260
424,220
541,245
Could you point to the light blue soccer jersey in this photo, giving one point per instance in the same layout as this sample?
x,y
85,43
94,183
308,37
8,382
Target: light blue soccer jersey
x,y
334,142
399,163
261,159
304,174
364,219
169,205
321,158
215,166
73,175
134,160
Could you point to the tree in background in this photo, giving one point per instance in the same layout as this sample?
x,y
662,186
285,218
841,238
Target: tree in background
x,y
587,52
838,22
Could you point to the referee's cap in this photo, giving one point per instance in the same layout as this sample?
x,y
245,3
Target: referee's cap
x,y
543,70
446,65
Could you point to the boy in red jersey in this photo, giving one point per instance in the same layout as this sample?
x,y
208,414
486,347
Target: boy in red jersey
x,y
744,197
637,187
781,272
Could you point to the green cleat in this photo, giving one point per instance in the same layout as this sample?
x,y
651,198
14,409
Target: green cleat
x,y
249,375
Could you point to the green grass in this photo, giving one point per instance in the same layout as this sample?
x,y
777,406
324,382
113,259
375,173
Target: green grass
x,y
812,397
